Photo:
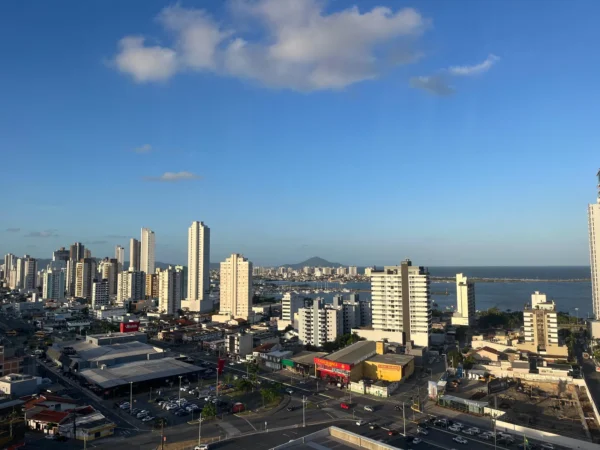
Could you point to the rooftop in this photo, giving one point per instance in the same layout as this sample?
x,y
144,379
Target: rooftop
x,y
335,438
134,372
92,352
307,357
392,358
49,416
354,353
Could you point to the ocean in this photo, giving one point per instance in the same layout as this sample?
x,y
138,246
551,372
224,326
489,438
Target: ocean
x,y
568,295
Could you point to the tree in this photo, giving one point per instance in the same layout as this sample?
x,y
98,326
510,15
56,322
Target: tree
x,y
209,410
270,395
243,385
455,357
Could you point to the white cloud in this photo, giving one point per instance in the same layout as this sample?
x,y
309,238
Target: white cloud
x,y
145,63
42,234
296,44
434,84
465,71
174,176
143,148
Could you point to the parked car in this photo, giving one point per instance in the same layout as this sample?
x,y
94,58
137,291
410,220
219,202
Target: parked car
x,y
417,441
289,391
469,432
460,440
547,446
453,428
344,406
201,447
373,426
392,432
360,422
422,431
147,419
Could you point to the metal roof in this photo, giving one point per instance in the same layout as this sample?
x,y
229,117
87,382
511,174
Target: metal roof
x,y
353,354
138,371
92,352
392,359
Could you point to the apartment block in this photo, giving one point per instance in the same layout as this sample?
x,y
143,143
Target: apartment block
x,y
100,293
319,323
465,302
236,287
131,285
540,328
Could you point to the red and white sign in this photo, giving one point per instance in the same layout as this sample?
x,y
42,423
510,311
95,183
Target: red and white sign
x,y
129,327
325,363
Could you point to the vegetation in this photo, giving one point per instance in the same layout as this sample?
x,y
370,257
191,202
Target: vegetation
x,y
494,318
270,395
455,358
563,318
244,385
209,410
342,341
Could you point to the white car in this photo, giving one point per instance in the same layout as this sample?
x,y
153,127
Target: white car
x,y
454,428
475,430
369,408
459,425
201,447
469,432
360,422
147,419
289,391
460,440
184,388
417,441
171,406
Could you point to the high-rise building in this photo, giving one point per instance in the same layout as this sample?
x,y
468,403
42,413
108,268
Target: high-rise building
x,y
401,303
319,323
169,287
130,286
109,269
290,304
20,269
54,284
198,269
236,286
120,256
87,253
594,232
61,254
147,247
71,276
76,252
341,271
152,285
465,302
540,328
352,271
9,264
134,255
100,293
27,272
85,273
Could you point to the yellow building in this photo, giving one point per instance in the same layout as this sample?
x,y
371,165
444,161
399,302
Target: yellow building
x,y
388,367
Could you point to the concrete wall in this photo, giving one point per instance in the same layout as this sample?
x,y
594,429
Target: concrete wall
x,y
518,432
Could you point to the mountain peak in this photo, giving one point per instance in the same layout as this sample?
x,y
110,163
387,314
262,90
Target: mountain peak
x,y
315,261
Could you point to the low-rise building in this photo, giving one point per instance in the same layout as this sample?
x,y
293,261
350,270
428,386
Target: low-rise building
x,y
19,385
240,344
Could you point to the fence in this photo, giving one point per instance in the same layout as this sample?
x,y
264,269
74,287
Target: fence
x,y
545,436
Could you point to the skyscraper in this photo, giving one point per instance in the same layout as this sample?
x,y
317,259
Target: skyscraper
x,y
147,251
236,286
120,256
71,277
61,254
85,274
130,286
401,303
198,282
26,272
9,264
465,302
109,269
169,287
594,231
54,284
134,255
76,252
100,293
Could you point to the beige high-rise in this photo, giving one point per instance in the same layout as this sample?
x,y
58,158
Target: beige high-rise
x,y
236,286
85,273
594,231
147,248
134,255
198,283
169,290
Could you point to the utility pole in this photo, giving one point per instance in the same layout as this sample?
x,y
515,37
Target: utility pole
x,y
494,419
179,388
130,397
404,419
199,429
162,434
303,409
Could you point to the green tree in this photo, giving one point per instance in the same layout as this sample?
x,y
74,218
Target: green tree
x,y
209,410
269,395
243,385
455,357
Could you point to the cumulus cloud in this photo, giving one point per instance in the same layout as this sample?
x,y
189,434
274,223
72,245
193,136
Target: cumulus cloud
x,y
13,230
143,148
435,84
174,176
298,44
42,234
482,67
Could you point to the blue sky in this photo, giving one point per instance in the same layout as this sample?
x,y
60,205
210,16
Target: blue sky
x,y
453,133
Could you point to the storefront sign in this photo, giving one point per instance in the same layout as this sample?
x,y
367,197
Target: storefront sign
x,y
287,363
388,367
325,363
128,327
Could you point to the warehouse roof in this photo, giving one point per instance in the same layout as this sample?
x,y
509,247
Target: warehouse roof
x,y
307,357
135,372
392,359
353,354
92,352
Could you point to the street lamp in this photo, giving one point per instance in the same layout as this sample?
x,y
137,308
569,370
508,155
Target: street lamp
x,y
303,409
130,397
180,388
199,429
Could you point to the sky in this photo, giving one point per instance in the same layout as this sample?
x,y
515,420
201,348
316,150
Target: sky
x,y
364,132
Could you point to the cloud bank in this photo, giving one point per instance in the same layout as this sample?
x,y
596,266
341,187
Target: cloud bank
x,y
42,234
174,176
146,148
297,44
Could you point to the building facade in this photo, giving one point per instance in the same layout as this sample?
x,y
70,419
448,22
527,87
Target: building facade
x,y
84,276
236,287
147,248
540,328
100,293
401,303
594,237
54,284
319,323
61,254
152,285
109,270
120,256
131,286
77,252
134,255
198,282
169,290
290,304
465,302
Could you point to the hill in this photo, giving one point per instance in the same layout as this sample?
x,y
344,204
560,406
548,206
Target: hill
x,y
315,261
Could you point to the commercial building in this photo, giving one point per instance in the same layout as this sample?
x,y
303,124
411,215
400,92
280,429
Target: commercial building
x,y
465,302
130,286
401,305
169,290
54,284
319,323
147,249
198,285
100,293
134,255
302,363
345,364
540,328
84,276
19,385
594,236
236,287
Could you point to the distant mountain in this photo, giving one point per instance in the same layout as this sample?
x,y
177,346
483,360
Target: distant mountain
x,y
315,261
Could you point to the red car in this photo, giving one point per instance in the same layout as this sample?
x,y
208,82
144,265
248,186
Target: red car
x,y
392,433
344,406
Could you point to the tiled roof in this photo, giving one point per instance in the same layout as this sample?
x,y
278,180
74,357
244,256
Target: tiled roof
x,y
48,416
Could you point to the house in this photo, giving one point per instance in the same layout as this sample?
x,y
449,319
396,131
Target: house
x,y
46,420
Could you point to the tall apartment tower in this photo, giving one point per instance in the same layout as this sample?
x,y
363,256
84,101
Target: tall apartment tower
x,y
152,285
109,270
120,256
319,323
236,286
198,269
85,273
27,272
594,231
401,303
54,284
465,302
290,304
77,252
9,263
100,293
147,246
134,255
62,254
71,277
540,328
169,290
130,286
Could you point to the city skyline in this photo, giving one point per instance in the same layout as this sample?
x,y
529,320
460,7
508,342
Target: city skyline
x,y
421,114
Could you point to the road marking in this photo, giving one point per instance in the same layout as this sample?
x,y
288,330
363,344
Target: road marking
x,y
249,423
